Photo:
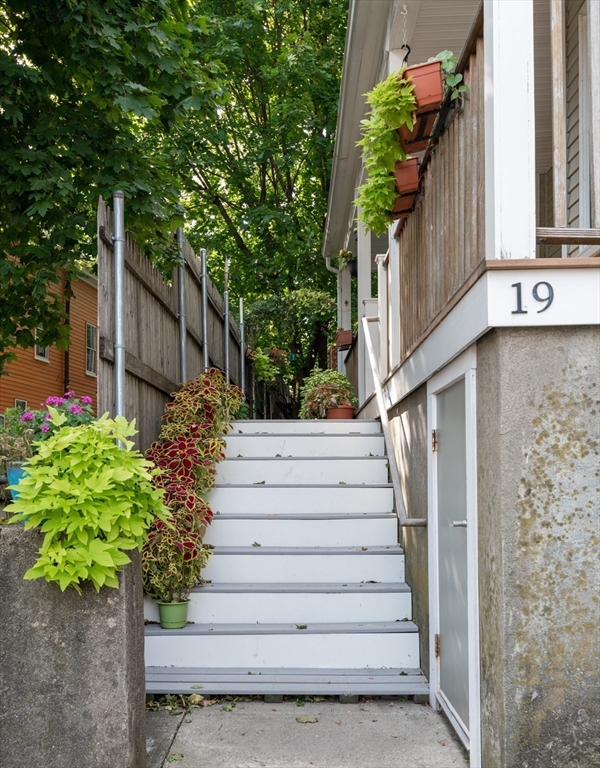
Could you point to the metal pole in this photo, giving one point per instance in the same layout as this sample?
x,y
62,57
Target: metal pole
x,y
119,265
242,350
253,394
226,320
265,400
205,361
182,319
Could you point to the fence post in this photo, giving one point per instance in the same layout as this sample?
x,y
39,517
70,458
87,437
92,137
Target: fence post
x,y
226,320
119,342
242,351
181,302
205,360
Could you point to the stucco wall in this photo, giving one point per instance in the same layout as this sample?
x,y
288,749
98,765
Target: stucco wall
x,y
410,417
538,432
72,689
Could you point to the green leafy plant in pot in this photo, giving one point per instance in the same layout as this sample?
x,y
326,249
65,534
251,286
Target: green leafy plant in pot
x,y
327,394
91,498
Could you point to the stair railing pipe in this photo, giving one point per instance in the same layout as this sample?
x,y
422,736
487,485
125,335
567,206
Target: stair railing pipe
x,y
242,350
204,279
181,300
412,522
226,321
119,306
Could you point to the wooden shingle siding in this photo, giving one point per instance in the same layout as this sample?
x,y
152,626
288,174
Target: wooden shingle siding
x,y
442,243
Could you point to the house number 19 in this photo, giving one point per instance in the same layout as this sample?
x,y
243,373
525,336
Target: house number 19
x,y
542,292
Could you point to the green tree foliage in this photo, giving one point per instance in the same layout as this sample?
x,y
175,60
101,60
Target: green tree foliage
x,y
83,83
256,169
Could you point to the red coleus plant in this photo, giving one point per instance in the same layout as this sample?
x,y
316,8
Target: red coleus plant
x,y
173,555
191,442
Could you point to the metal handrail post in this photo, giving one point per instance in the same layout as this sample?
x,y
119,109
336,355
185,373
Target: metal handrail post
x,y
387,435
242,350
204,279
181,301
119,306
226,321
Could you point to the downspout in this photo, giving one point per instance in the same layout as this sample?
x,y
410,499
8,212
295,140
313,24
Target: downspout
x,y
66,371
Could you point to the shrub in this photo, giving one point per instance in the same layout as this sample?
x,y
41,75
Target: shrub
x,y
93,500
322,390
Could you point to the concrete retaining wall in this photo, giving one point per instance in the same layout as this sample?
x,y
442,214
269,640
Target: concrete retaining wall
x,y
72,687
538,433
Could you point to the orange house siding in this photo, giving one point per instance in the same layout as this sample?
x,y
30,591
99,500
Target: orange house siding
x,y
34,380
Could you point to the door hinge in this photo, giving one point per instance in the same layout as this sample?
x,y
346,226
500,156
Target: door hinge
x,y
437,646
434,439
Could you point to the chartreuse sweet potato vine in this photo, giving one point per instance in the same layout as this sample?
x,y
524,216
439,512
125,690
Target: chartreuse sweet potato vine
x,y
92,499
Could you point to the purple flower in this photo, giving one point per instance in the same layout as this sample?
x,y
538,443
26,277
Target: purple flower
x,y
45,427
48,417
76,409
70,393
54,400
86,400
28,416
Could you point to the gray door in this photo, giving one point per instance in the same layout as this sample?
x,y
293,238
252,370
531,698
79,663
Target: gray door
x,y
452,549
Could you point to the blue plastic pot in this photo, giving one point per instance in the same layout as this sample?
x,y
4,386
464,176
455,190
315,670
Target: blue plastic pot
x,y
15,472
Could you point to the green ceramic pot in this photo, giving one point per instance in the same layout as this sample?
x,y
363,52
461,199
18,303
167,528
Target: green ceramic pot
x,y
173,615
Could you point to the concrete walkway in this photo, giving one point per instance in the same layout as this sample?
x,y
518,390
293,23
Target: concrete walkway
x,y
254,734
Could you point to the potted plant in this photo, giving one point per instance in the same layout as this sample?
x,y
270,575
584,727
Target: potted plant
x,y
173,555
327,394
190,444
93,499
403,112
343,338
14,452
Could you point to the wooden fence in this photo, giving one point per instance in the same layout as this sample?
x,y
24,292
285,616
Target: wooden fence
x,y
441,244
152,331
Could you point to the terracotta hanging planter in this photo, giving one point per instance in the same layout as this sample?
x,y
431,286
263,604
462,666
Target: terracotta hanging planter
x,y
341,412
403,206
343,339
429,86
429,94
407,176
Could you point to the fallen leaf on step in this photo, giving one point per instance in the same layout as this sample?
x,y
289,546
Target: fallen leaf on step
x,y
174,758
262,482
364,549
338,722
300,626
443,743
196,686
256,544
307,719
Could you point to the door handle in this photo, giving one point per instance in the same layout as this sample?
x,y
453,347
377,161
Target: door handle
x,y
459,523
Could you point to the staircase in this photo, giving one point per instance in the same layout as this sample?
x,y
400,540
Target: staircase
x,y
306,592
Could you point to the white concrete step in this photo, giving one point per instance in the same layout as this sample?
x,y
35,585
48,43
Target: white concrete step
x,y
286,444
323,646
307,426
295,603
293,499
298,682
237,530
303,470
305,564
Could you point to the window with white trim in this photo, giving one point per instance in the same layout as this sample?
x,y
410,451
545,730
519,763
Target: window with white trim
x,y
21,405
1,421
41,353
91,349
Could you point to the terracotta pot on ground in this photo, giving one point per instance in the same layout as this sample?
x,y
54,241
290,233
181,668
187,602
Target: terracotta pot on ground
x,y
407,176
343,339
429,86
403,206
341,412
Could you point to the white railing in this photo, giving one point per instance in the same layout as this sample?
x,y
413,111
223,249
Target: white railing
x,y
387,435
